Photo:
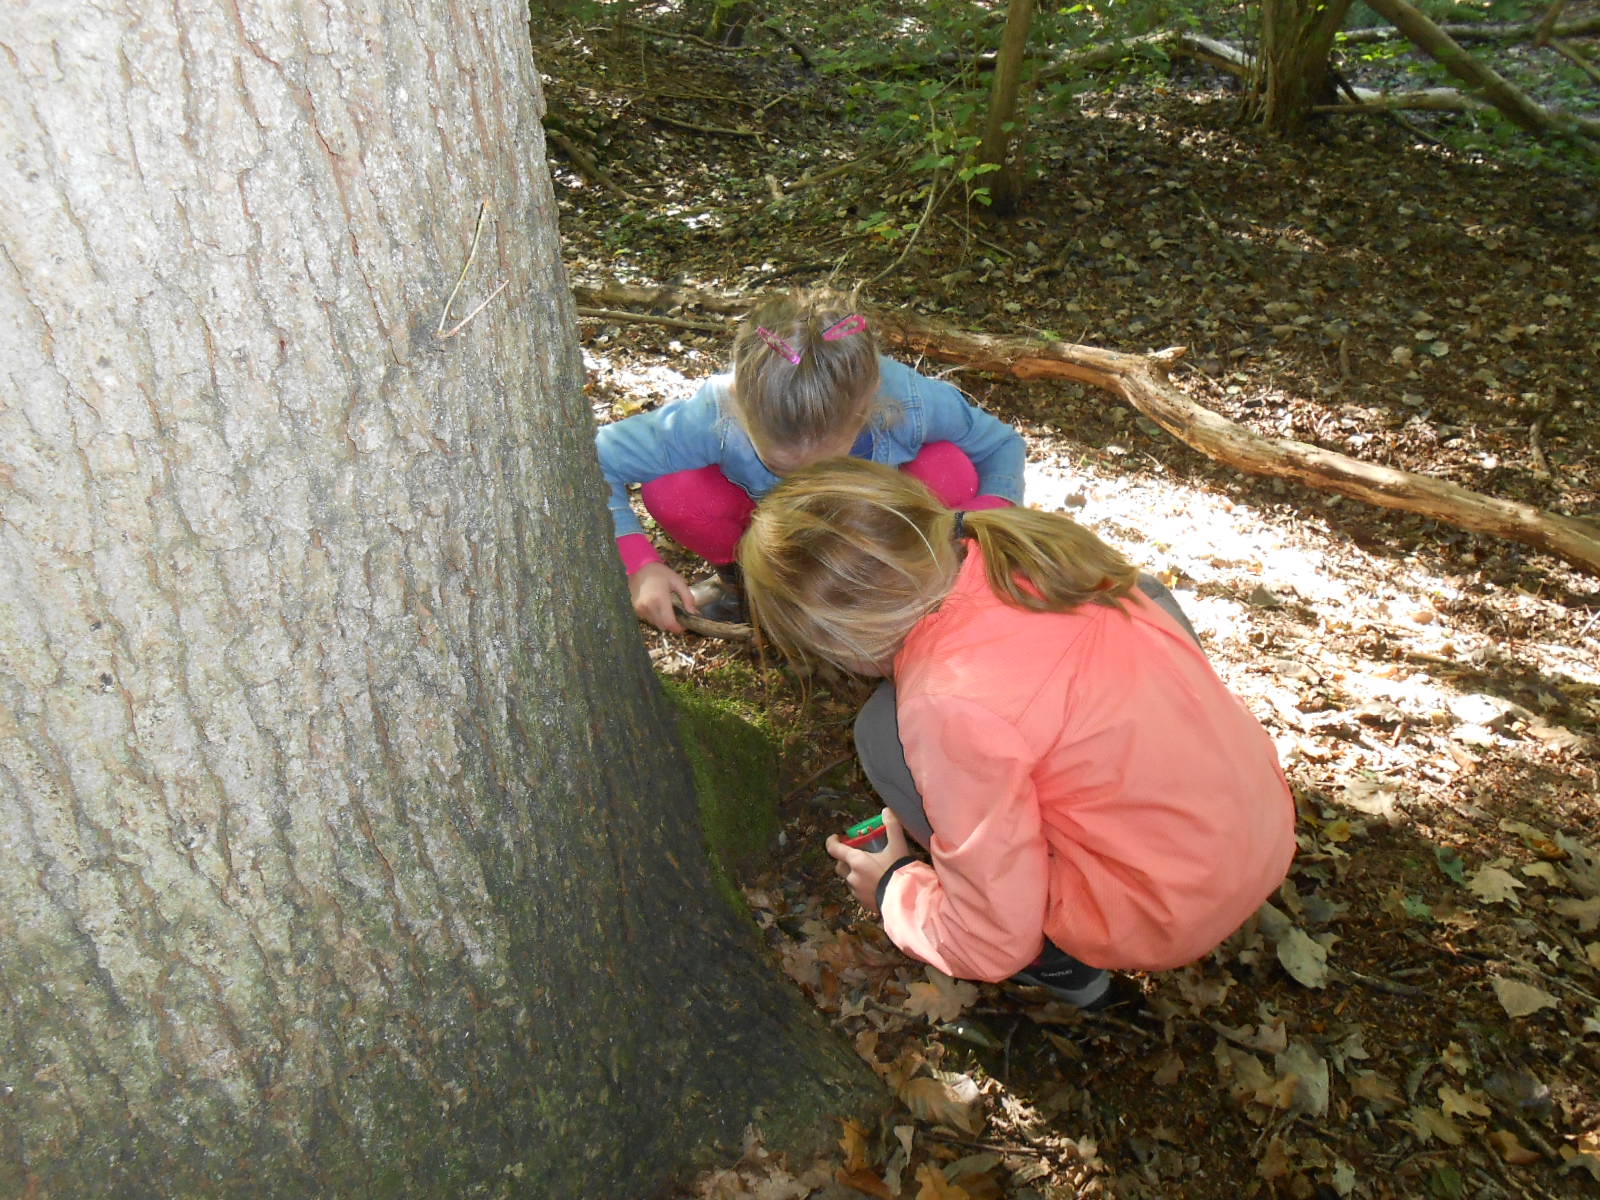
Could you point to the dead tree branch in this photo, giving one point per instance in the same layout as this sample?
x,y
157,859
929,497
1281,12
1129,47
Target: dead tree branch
x,y
1233,61
1488,31
1438,45
1142,380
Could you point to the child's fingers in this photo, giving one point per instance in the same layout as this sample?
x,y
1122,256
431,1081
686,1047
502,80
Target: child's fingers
x,y
681,589
837,848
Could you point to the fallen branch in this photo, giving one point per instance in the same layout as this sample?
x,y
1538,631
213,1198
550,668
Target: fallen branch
x,y
691,38
1142,380
616,314
1570,52
728,631
588,168
1232,61
1367,100
663,119
1499,91
1487,31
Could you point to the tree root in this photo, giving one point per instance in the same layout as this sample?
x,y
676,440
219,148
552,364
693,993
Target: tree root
x,y
1142,381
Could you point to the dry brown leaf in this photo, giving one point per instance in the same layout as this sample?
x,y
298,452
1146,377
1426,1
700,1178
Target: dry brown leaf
x,y
1576,1160
954,1102
865,1182
721,1185
1279,1094
853,1142
1169,1072
1511,1150
1372,1087
779,1185
1494,886
934,1186
1585,912
1430,1123
1304,958
1521,999
941,998
1462,1104
1276,1162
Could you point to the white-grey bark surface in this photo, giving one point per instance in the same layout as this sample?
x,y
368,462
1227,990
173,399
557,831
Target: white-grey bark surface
x,y
334,835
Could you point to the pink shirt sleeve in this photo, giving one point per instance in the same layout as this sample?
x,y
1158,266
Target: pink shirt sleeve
x,y
978,912
636,550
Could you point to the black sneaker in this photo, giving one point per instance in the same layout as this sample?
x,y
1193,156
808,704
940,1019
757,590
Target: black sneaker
x,y
1119,997
720,598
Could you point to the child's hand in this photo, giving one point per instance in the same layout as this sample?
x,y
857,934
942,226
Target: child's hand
x,y
861,869
653,588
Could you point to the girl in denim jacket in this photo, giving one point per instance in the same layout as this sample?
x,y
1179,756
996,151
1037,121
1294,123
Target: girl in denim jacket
x,y
807,384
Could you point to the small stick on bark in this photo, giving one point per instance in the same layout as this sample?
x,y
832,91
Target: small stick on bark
x,y
461,324
472,253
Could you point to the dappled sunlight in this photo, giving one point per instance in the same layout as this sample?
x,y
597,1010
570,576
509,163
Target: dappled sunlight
x,y
1366,668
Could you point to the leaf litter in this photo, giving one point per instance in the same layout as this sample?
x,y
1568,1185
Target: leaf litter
x,y
1418,1012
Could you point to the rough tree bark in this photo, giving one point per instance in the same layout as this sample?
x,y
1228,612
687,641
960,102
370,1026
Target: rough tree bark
x,y
1292,73
1141,380
344,843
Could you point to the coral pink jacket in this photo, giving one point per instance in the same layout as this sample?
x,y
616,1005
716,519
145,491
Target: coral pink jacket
x,y
1086,775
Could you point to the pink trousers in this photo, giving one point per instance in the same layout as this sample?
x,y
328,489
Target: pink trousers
x,y
703,511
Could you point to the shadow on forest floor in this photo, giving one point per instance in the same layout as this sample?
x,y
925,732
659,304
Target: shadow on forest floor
x,y
1422,1017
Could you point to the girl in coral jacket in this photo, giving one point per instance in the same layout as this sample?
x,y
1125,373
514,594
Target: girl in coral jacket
x,y
1090,794
807,383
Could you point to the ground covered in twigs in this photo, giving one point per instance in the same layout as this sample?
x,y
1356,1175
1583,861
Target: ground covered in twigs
x,y
1418,1014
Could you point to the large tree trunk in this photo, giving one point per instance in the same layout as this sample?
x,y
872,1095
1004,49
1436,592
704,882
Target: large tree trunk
x,y
1292,72
344,848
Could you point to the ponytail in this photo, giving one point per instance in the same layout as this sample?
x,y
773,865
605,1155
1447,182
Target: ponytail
x,y
843,558
1047,562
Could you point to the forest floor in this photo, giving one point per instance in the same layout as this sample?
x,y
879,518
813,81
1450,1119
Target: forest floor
x,y
1419,1014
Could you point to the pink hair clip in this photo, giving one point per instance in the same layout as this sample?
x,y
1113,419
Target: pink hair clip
x,y
778,346
844,327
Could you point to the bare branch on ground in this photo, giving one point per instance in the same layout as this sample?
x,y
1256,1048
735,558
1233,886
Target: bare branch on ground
x,y
1142,380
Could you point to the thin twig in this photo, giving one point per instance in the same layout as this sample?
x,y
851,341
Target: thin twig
x,y
477,231
1541,465
994,1147
693,128
1569,51
1387,985
618,314
816,775
457,327
934,197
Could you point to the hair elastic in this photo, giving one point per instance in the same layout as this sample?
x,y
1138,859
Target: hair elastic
x,y
961,524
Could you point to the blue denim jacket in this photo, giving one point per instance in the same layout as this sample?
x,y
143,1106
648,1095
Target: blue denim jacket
x,y
702,430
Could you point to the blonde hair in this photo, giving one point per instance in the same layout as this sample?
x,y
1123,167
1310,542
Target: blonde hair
x,y
843,557
787,404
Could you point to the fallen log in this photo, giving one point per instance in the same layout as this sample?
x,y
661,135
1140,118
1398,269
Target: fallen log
x,y
1142,381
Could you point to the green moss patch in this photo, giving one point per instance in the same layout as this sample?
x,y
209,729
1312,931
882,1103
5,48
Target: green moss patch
x,y
735,761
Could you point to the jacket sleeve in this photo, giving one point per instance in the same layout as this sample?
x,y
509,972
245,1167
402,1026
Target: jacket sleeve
x,y
978,911
681,436
995,448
